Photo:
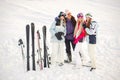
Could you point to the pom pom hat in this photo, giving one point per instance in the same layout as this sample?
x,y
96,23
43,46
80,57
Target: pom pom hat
x,y
61,14
80,15
67,12
88,15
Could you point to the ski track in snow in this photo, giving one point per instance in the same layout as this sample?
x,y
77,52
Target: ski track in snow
x,y
16,14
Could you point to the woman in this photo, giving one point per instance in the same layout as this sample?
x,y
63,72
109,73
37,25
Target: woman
x,y
79,35
58,30
70,26
91,31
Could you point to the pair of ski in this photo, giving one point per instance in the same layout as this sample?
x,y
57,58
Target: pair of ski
x,y
33,46
40,60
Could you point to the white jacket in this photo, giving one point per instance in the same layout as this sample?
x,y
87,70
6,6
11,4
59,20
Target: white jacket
x,y
55,29
92,32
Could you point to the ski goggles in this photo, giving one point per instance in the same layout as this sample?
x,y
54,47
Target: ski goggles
x,y
79,15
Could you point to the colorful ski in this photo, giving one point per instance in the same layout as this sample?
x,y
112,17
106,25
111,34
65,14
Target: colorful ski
x,y
39,52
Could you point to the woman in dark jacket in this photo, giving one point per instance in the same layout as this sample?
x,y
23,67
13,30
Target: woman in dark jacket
x,y
70,26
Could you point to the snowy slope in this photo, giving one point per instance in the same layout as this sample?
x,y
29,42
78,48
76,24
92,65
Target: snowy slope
x,y
14,15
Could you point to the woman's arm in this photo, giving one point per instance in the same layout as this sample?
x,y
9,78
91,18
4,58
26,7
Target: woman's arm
x,y
75,31
93,28
52,28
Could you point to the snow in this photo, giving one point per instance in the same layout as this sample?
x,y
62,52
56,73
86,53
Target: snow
x,y
15,14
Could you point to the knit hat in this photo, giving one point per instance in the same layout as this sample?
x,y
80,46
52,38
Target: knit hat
x,y
80,15
67,12
61,14
88,15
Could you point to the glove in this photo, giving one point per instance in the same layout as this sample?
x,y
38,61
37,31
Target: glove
x,y
84,26
59,35
80,37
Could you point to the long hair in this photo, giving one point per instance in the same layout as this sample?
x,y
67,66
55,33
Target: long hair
x,y
58,22
88,23
73,21
78,27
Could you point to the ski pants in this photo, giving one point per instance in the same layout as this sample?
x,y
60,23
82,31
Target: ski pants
x,y
68,47
78,55
57,55
91,52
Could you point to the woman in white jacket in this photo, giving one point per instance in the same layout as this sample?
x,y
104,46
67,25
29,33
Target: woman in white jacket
x,y
91,30
58,31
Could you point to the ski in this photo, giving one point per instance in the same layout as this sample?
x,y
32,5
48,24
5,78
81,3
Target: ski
x,y
39,51
33,45
27,43
44,43
46,61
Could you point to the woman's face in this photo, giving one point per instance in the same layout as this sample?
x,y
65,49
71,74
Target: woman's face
x,y
62,18
88,19
80,19
68,15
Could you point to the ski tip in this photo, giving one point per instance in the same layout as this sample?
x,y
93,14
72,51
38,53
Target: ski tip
x,y
37,31
27,25
44,27
32,23
38,34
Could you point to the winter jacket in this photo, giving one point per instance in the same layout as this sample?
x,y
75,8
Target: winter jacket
x,y
79,33
70,26
92,32
55,29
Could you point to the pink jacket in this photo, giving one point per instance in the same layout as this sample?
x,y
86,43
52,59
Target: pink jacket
x,y
81,35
